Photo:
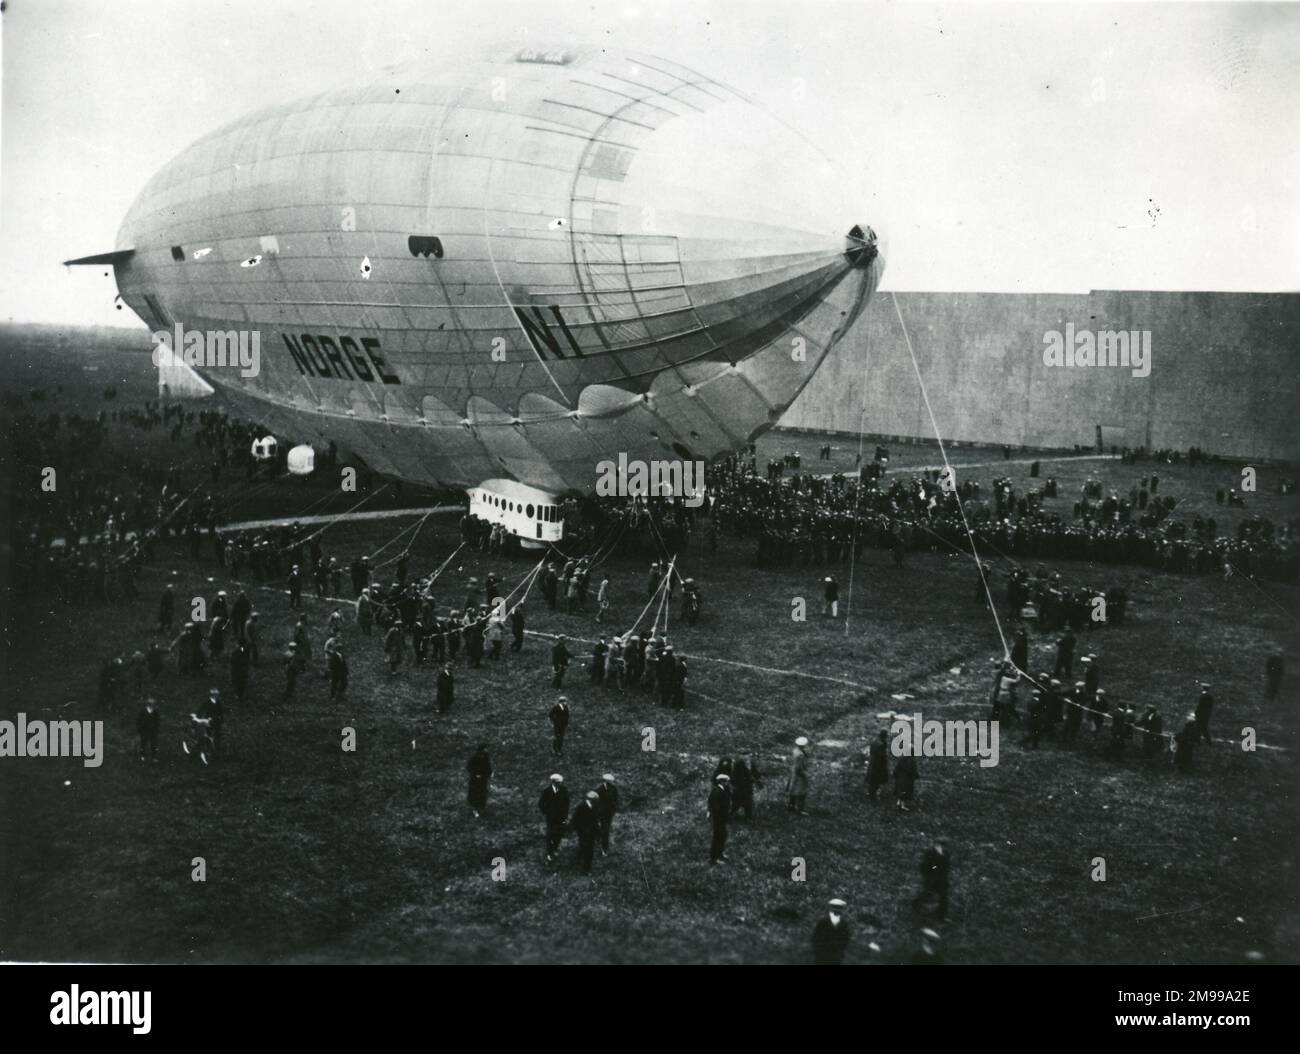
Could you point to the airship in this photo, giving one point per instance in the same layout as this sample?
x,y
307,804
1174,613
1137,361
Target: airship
x,y
497,273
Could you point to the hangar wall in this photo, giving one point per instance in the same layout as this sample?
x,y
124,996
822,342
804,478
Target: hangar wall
x,y
1225,372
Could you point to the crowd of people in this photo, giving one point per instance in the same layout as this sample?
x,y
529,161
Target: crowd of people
x,y
97,532
808,519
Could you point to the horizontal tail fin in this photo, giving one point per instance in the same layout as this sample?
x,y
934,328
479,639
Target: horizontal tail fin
x,y
116,257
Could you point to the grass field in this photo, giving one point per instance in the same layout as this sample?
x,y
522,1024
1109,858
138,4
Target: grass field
x,y
314,854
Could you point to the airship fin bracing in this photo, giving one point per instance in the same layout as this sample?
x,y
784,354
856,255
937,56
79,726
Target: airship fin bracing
x,y
508,268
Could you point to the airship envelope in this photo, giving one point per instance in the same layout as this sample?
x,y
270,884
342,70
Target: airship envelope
x,y
512,266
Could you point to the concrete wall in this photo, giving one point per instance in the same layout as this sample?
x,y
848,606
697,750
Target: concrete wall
x,y
1225,372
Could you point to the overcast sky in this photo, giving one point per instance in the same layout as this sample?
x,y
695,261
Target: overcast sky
x,y
1009,147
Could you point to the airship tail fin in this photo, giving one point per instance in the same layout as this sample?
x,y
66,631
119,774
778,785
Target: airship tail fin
x,y
116,257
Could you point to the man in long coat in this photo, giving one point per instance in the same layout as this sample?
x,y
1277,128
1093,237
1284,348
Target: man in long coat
x,y
479,769
797,787
877,765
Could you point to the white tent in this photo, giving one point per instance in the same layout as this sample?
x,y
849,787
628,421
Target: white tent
x,y
302,460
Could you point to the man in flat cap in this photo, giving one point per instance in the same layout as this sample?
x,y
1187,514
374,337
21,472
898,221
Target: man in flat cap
x,y
517,627
214,710
744,778
586,823
1037,710
719,809
445,689
1065,654
554,806
934,879
906,774
830,938
147,725
1204,707
1074,713
831,597
797,787
241,660
877,765
1020,651
293,666
607,790
1091,674
1152,732
1055,704
1100,708
479,768
559,661
394,646
1121,729
1185,745
167,608
1274,667
559,725
337,665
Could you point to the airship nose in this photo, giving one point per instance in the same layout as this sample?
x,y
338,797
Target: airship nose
x,y
862,246
741,192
